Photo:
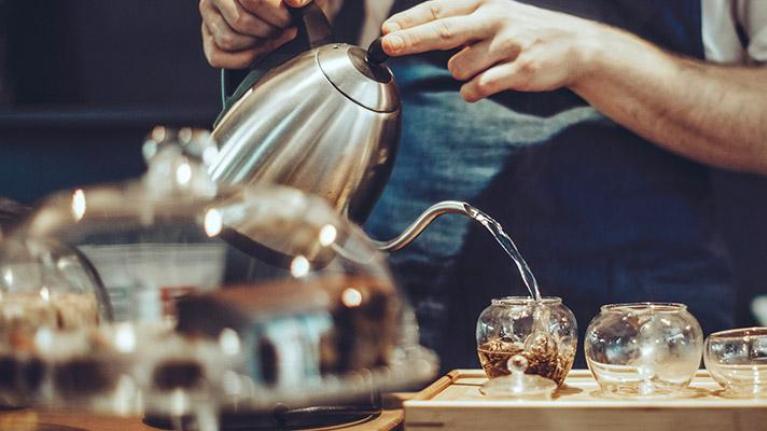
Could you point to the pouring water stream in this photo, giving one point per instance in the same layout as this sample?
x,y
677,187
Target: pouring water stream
x,y
508,245
495,229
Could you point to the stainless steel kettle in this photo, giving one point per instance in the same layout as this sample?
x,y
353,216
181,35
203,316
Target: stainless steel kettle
x,y
322,117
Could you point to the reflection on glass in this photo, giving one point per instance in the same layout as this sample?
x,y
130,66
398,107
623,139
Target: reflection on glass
x,y
78,205
183,174
328,235
300,266
213,223
351,297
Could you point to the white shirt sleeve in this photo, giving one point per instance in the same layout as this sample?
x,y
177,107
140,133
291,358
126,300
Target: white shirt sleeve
x,y
752,15
721,19
376,12
335,7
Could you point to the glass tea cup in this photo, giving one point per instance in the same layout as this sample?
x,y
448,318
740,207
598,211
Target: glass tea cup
x,y
737,360
644,349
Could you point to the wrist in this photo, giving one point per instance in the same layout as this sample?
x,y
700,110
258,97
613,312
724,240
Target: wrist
x,y
592,53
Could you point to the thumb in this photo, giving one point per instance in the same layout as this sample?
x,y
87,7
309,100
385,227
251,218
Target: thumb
x,y
297,3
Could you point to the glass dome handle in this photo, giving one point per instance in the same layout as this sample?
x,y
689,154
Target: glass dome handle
x,y
176,163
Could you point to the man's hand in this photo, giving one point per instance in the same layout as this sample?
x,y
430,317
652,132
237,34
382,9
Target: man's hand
x,y
506,45
710,113
235,33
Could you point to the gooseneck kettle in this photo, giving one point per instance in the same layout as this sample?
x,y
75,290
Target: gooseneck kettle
x,y
322,117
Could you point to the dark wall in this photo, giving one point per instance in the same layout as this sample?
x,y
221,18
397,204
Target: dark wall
x,y
82,81
742,204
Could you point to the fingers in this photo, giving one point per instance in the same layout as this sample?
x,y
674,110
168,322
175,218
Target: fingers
x,y
224,37
234,37
243,22
516,75
427,12
273,12
443,34
220,58
480,56
223,59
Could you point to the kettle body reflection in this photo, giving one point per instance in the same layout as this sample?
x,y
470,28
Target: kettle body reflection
x,y
325,120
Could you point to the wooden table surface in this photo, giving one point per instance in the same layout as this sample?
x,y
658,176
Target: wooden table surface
x,y
455,403
30,420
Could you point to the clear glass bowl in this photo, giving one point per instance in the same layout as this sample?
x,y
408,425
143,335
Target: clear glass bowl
x,y
737,360
544,333
644,349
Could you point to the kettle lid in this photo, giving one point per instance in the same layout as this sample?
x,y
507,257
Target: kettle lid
x,y
366,82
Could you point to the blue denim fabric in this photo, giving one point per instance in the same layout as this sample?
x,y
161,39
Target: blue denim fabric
x,y
602,215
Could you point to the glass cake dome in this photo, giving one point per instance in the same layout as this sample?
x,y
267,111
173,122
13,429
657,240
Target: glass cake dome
x,y
172,294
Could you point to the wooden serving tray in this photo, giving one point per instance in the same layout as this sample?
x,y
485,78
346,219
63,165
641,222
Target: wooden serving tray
x,y
455,403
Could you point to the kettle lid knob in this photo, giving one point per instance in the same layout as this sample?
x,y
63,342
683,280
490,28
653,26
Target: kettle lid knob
x,y
376,54
360,75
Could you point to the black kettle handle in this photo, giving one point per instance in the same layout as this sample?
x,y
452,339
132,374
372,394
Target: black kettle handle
x,y
314,30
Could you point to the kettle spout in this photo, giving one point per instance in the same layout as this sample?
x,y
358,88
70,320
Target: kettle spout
x,y
425,219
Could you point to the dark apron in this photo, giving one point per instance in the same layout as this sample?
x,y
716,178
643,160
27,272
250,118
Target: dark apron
x,y
602,215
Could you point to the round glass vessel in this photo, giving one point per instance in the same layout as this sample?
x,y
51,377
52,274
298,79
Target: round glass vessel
x,y
737,360
44,285
543,332
644,349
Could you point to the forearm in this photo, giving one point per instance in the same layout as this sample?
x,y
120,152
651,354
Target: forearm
x,y
713,114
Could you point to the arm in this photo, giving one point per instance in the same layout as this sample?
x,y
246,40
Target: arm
x,y
713,114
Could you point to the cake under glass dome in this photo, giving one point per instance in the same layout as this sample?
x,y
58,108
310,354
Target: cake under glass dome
x,y
202,297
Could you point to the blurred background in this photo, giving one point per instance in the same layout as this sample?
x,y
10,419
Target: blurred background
x,y
83,81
